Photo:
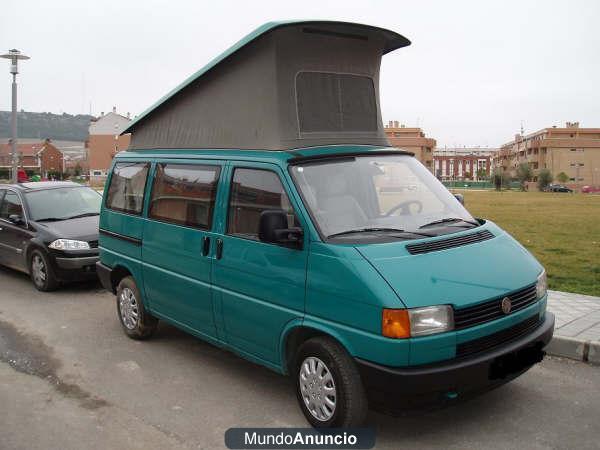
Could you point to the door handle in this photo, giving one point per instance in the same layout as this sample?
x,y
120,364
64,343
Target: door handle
x,y
205,245
219,248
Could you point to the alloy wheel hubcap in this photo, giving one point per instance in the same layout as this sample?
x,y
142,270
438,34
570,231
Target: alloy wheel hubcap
x,y
129,308
39,270
317,388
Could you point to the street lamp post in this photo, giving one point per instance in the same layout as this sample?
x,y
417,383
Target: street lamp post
x,y
14,55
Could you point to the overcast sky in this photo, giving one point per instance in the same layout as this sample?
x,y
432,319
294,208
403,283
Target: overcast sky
x,y
475,70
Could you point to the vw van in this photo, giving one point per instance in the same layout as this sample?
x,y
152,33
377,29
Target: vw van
x,y
261,208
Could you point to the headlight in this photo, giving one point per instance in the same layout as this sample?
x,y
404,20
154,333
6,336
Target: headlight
x,y
69,244
542,285
404,323
430,320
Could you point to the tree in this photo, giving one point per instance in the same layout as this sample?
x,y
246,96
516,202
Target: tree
x,y
562,177
481,174
499,179
544,179
77,170
524,175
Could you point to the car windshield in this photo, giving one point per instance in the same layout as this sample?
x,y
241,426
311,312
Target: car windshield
x,y
63,203
356,197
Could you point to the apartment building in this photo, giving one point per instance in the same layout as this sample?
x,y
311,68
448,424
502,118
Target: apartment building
x,y
412,140
463,163
570,149
104,143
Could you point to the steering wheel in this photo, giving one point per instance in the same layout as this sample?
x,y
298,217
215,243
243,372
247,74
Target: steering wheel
x,y
405,207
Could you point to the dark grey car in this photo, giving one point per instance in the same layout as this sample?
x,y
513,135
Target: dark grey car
x,y
50,231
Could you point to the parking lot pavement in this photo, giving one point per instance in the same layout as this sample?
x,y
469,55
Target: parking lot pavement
x,y
70,379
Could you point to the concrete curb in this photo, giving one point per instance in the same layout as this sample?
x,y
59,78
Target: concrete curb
x,y
594,353
577,349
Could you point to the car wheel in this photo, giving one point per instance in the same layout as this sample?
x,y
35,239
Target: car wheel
x,y
135,320
41,272
328,385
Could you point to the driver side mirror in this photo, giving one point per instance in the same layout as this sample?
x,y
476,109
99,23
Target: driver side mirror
x,y
460,198
15,219
273,228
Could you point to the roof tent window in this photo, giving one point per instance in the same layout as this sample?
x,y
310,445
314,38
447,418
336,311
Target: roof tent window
x,y
333,102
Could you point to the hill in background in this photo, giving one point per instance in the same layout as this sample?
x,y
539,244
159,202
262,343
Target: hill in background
x,y
64,126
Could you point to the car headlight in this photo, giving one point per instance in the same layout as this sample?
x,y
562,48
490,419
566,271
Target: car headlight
x,y
404,323
431,320
541,287
69,244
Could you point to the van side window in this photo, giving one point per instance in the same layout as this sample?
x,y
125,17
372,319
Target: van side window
x,y
184,194
11,205
126,190
252,192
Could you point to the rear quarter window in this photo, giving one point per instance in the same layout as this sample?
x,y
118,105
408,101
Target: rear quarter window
x,y
127,186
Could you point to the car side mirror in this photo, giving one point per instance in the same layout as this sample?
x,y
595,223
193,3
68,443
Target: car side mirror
x,y
273,228
460,198
16,219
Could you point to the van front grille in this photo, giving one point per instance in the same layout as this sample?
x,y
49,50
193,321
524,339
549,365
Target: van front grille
x,y
443,244
93,244
492,309
495,339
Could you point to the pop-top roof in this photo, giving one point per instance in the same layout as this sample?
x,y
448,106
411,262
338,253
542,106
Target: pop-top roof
x,y
285,85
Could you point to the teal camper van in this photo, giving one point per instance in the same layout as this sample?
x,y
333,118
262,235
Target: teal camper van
x,y
261,208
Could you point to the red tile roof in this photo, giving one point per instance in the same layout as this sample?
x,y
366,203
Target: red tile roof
x,y
24,149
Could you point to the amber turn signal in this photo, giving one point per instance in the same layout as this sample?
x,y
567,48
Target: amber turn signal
x,y
395,323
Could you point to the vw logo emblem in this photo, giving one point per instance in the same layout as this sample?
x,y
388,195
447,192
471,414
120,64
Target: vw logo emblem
x,y
506,305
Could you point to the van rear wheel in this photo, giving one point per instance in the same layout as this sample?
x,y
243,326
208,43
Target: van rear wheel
x,y
328,385
135,320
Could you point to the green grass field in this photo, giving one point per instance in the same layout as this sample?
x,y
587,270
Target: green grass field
x,y
561,230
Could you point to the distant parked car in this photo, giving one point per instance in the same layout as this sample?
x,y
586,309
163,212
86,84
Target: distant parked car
x,y
50,231
590,189
22,176
558,188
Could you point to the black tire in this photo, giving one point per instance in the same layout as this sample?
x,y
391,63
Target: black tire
x,y
144,325
350,399
41,272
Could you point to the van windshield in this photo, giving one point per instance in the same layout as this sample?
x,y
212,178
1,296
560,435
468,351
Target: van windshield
x,y
382,195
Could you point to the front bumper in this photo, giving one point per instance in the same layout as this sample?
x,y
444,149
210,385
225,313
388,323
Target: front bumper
x,y
77,263
393,389
74,266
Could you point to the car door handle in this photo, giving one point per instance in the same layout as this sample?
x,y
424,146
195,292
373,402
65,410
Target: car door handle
x,y
219,248
205,245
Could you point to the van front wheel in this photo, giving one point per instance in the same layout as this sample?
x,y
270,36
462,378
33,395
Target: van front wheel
x,y
135,320
328,385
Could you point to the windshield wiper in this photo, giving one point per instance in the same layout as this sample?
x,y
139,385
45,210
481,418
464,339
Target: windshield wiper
x,y
449,219
57,219
376,229
50,219
82,215
366,230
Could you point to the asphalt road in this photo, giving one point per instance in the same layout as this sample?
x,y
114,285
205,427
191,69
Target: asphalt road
x,y
70,379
